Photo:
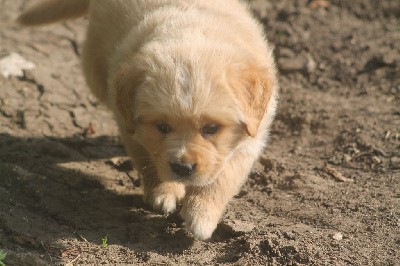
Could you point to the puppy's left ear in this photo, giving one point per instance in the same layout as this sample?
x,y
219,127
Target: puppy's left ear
x,y
125,85
253,88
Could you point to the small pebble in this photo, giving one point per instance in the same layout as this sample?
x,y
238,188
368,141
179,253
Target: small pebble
x,y
347,158
376,159
337,236
395,162
258,167
14,65
301,63
387,134
289,235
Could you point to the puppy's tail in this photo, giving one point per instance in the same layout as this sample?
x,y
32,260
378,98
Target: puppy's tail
x,y
48,11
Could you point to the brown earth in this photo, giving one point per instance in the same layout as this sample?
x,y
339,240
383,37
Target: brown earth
x,y
326,192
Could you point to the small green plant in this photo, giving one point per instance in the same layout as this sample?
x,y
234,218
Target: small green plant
x,y
103,242
2,257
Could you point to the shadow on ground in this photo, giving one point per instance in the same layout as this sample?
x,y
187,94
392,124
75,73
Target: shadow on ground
x,y
56,201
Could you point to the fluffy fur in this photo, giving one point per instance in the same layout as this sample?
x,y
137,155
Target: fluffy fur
x,y
193,88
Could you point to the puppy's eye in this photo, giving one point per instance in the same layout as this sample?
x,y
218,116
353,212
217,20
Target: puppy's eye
x,y
164,128
210,129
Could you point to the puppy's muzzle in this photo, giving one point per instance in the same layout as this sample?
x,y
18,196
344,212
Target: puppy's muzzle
x,y
183,170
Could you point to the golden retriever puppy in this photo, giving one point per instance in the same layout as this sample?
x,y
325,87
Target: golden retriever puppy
x,y
193,87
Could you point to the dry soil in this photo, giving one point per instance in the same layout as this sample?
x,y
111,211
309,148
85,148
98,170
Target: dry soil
x,y
326,191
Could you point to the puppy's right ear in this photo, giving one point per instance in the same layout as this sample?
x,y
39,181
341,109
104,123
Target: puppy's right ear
x,y
126,83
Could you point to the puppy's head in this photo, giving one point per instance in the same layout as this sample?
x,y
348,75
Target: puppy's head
x,y
190,110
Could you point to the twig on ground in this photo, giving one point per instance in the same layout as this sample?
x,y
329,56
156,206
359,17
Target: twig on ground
x,y
71,263
336,174
48,253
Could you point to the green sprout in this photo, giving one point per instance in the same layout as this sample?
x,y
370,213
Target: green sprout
x,y
2,257
103,243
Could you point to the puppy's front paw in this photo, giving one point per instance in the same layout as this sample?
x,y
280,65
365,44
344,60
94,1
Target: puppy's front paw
x,y
200,220
166,202
166,196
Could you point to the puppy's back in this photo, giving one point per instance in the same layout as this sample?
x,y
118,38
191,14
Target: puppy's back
x,y
118,28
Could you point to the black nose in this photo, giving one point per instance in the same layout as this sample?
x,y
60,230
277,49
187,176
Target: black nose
x,y
183,169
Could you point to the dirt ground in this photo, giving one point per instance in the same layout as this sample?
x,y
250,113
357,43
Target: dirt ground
x,y
326,191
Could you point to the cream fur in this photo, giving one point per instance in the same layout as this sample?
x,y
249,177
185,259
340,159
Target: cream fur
x,y
185,63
